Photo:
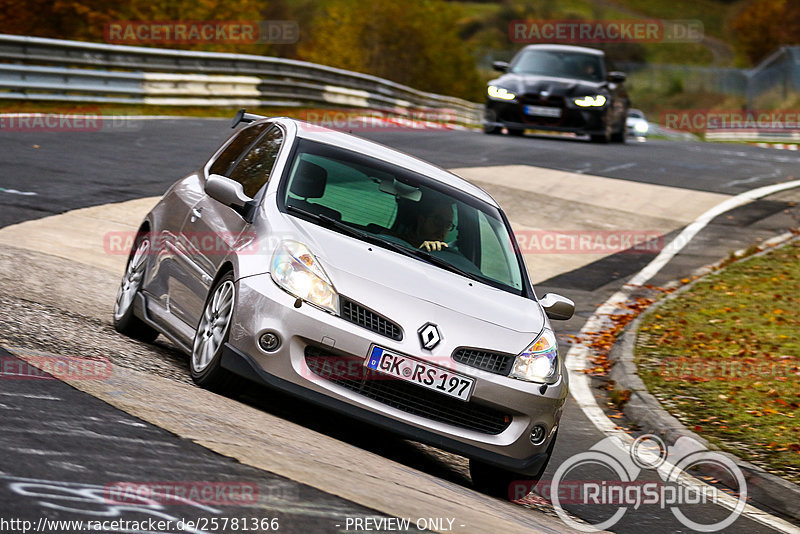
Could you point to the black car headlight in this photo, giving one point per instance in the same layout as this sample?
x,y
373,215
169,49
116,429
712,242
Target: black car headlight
x,y
500,93
590,101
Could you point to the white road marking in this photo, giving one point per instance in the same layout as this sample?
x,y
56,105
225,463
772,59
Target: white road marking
x,y
577,357
15,192
616,168
27,396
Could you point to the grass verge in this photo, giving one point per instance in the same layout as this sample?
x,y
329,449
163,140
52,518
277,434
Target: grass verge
x,y
724,358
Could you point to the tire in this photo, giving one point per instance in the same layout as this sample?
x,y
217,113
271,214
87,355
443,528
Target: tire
x,y
491,129
515,132
125,322
497,482
604,137
212,332
619,137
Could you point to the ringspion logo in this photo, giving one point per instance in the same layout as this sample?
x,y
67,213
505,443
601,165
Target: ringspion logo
x,y
624,492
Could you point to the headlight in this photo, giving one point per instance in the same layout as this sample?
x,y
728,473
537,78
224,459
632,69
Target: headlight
x,y
539,362
500,93
590,101
641,127
296,270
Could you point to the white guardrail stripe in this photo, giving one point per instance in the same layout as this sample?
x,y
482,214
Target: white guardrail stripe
x,y
60,70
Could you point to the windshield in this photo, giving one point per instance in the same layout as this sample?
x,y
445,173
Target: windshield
x,y
402,211
560,64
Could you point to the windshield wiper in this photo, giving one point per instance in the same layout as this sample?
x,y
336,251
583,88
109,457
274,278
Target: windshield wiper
x,y
446,265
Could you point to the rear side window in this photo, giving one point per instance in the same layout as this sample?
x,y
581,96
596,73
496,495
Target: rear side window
x,y
254,169
225,161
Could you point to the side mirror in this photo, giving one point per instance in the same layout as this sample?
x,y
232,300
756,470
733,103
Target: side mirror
x,y
616,76
230,193
500,66
557,307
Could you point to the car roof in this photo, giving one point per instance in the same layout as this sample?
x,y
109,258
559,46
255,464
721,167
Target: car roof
x,y
360,145
565,48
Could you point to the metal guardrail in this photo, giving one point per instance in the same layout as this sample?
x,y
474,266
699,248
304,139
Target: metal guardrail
x,y
35,68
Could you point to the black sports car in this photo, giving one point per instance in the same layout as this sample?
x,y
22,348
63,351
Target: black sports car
x,y
560,88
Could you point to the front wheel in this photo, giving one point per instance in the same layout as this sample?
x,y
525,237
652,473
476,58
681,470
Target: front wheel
x,y
212,333
125,322
604,137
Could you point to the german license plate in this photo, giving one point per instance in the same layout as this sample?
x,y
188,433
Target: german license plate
x,y
421,373
543,111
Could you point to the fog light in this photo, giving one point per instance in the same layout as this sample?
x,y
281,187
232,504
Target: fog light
x,y
538,435
269,341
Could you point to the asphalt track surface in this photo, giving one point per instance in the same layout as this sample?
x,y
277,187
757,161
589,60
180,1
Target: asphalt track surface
x,y
49,173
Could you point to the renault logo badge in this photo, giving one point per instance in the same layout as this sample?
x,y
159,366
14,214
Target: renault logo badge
x,y
429,336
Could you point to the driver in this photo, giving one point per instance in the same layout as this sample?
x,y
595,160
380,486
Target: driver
x,y
429,226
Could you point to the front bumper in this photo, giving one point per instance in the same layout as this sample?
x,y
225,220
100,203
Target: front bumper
x,y
589,121
287,369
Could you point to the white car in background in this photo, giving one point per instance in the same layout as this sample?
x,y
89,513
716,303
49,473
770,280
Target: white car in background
x,y
637,124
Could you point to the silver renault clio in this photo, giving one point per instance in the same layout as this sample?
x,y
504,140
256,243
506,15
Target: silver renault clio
x,y
359,278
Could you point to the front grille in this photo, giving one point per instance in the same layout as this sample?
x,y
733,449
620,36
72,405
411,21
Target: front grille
x,y
494,362
555,102
358,314
535,100
402,395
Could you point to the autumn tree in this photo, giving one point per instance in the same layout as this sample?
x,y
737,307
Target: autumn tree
x,y
85,20
764,25
415,43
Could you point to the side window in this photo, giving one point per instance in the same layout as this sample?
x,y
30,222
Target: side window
x,y
254,169
222,165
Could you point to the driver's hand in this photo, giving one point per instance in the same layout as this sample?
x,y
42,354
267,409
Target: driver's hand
x,y
430,246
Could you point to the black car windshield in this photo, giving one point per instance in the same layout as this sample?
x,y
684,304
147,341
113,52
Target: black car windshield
x,y
560,64
402,210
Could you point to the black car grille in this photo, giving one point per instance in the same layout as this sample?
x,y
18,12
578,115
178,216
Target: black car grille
x,y
533,99
358,314
493,362
402,395
555,102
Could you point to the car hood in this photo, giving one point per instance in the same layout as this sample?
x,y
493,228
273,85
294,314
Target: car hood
x,y
396,285
530,83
